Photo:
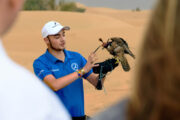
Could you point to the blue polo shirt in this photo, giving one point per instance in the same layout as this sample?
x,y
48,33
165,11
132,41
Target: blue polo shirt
x,y
72,95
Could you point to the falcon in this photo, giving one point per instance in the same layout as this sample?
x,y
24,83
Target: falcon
x,y
118,47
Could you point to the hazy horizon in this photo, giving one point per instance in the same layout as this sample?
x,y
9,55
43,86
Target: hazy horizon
x,y
118,4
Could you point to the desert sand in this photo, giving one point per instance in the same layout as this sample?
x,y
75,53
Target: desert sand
x,y
24,43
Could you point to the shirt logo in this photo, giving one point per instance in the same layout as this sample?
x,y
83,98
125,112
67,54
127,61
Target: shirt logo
x,y
74,66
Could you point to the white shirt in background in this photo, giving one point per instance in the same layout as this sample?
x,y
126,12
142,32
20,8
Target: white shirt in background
x,y
24,97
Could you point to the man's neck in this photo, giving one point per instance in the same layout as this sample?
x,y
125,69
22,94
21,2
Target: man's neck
x,y
58,54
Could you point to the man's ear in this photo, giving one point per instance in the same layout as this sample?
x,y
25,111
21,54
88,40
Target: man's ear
x,y
46,40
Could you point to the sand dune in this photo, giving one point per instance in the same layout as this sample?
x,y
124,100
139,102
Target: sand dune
x,y
24,44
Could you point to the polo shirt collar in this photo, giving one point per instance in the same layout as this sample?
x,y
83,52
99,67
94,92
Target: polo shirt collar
x,y
54,59
67,54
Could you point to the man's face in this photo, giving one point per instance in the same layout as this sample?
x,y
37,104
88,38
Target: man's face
x,y
57,42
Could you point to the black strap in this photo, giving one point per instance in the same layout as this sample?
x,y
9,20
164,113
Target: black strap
x,y
99,84
79,118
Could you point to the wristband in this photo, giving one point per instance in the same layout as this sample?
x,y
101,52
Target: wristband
x,y
80,72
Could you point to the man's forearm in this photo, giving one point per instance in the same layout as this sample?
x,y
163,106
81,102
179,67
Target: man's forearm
x,y
57,84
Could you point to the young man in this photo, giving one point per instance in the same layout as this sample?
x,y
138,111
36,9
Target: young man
x,y
22,95
62,70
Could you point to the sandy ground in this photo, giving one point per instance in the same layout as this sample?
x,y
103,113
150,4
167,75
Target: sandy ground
x,y
24,43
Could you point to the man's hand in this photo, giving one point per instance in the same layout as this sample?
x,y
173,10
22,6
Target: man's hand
x,y
90,62
106,66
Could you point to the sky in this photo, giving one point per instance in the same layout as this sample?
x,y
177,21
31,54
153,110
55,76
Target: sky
x,y
119,4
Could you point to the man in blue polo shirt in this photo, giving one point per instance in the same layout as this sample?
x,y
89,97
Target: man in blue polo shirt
x,y
62,70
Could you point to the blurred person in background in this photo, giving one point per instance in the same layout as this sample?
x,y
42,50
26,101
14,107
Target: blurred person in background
x,y
155,95
22,95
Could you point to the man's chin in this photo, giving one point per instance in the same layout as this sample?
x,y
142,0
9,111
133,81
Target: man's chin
x,y
63,48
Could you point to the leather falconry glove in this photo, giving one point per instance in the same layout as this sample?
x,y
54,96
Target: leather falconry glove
x,y
103,68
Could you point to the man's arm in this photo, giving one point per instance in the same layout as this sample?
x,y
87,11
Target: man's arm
x,y
101,68
57,84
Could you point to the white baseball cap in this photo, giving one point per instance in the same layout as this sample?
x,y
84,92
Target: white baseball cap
x,y
52,28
